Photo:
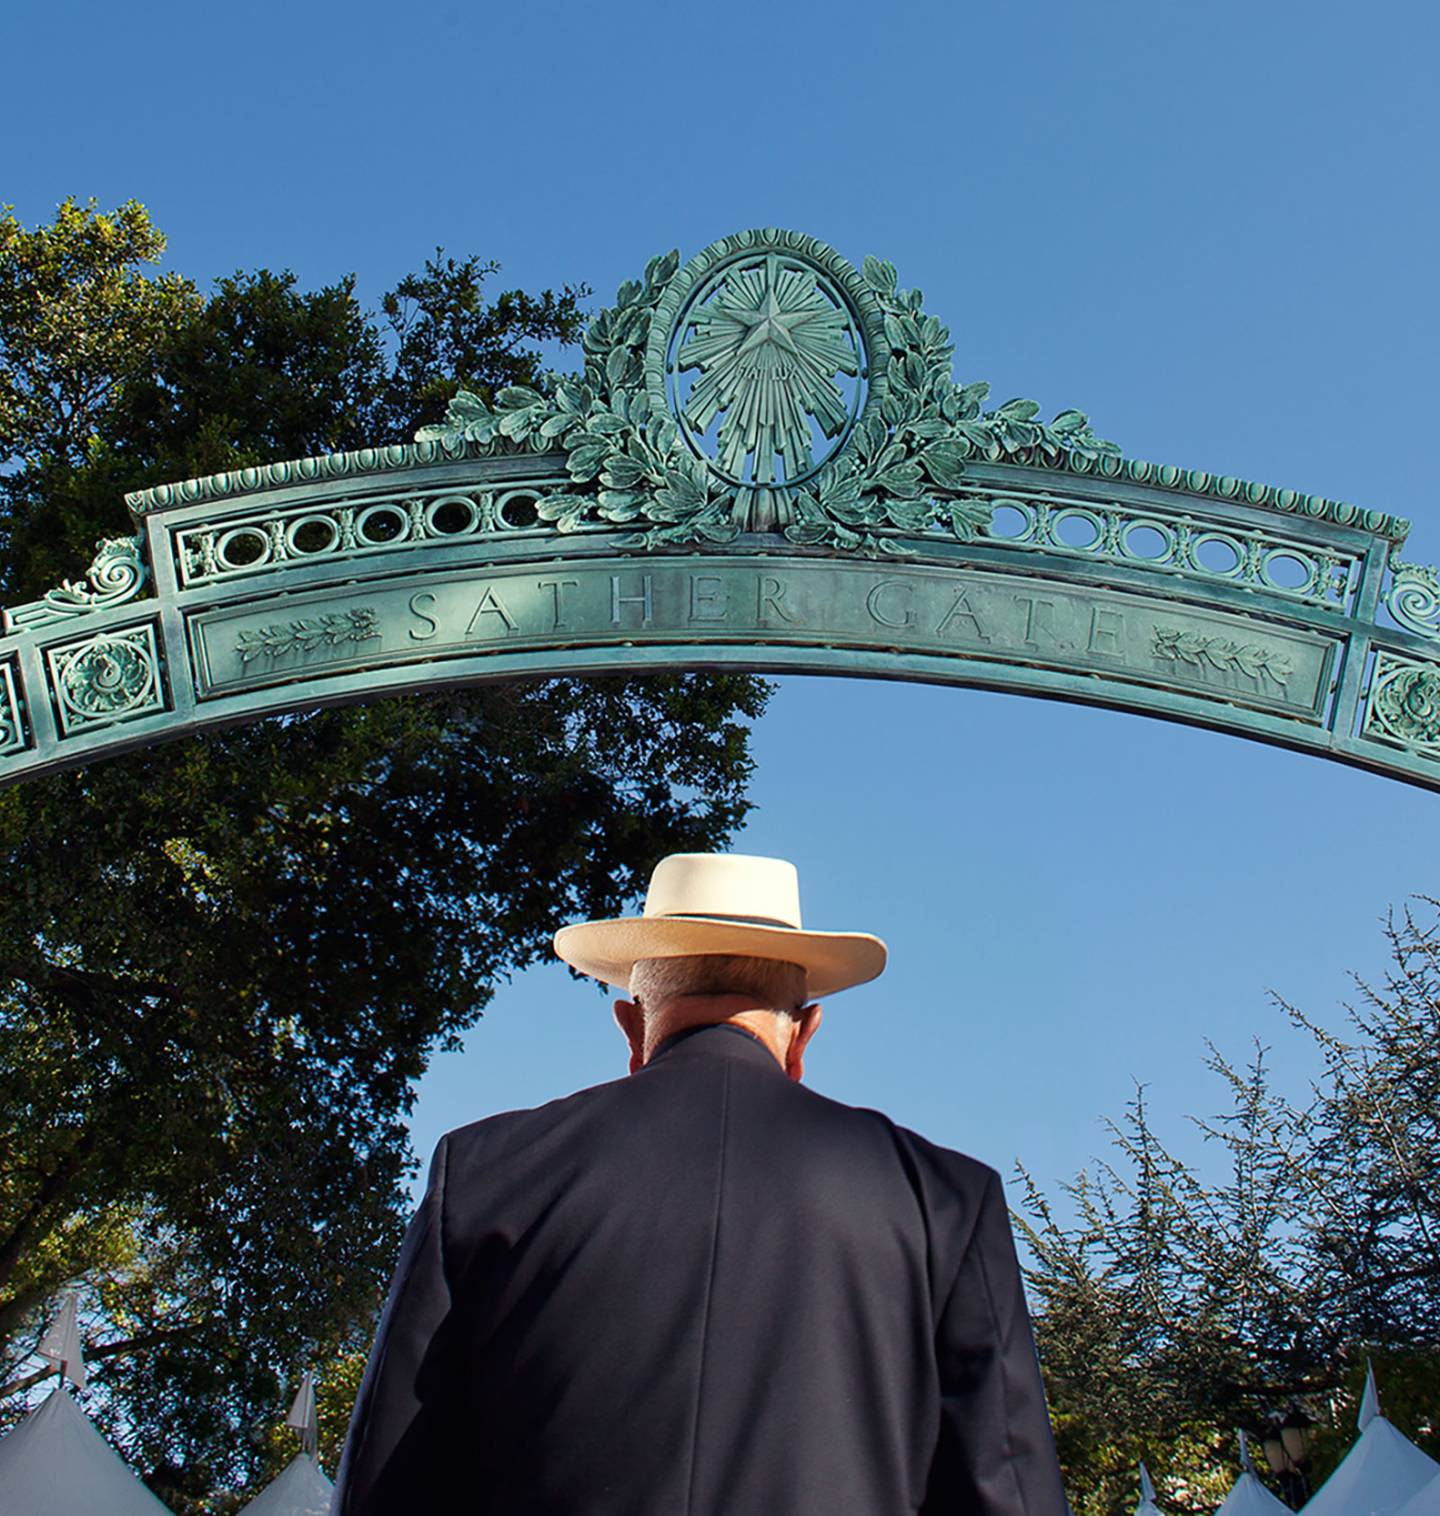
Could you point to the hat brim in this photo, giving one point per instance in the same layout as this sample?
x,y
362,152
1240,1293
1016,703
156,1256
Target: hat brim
x,y
609,950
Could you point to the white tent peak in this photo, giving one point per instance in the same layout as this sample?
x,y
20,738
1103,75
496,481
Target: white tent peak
x,y
1248,1497
61,1343
56,1463
303,1416
300,1489
1382,1470
1147,1506
1370,1400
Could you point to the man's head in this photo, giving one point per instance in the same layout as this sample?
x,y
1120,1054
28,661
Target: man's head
x,y
721,939
763,995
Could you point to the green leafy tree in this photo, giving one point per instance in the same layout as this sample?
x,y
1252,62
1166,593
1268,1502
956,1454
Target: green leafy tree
x,y
79,322
226,961
1173,1307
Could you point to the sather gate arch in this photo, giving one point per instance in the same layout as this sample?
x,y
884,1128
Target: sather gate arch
x,y
767,464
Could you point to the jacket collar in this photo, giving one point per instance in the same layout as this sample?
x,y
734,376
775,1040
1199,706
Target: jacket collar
x,y
716,1039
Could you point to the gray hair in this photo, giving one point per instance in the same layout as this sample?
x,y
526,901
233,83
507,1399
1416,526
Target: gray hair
x,y
655,982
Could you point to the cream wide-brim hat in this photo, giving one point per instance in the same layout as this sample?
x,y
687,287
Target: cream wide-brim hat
x,y
731,903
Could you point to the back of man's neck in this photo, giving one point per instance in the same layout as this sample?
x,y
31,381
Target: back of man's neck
x,y
690,1011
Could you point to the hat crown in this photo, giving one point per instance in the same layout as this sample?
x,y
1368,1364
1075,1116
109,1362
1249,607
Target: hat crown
x,y
728,886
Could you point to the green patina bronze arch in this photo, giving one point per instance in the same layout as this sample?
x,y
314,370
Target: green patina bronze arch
x,y
768,464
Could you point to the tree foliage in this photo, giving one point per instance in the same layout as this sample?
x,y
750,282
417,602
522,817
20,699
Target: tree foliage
x,y
1174,1306
225,962
78,321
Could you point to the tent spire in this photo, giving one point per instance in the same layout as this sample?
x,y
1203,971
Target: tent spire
x,y
303,1416
1247,1463
61,1343
1370,1401
1147,1506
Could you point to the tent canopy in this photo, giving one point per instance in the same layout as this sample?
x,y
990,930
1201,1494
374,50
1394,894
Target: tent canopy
x,y
1147,1506
1376,1477
55,1463
1249,1497
300,1489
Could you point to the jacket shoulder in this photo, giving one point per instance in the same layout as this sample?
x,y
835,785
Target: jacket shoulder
x,y
954,1189
497,1131
947,1182
945,1165
960,1169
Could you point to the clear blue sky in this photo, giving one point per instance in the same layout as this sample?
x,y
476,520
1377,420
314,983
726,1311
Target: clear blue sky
x,y
1214,227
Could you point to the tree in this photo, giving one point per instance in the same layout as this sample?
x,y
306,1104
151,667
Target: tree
x,y
78,321
225,962
1172,1307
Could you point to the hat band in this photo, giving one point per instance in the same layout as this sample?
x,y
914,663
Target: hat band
x,y
789,926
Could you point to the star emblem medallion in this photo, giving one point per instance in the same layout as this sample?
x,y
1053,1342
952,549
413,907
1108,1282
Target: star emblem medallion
x,y
766,367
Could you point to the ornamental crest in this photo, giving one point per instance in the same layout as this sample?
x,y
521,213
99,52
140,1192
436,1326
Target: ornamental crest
x,y
767,387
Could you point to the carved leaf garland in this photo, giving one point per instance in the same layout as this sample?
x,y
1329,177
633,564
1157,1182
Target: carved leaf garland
x,y
927,428
627,466
356,624
1224,653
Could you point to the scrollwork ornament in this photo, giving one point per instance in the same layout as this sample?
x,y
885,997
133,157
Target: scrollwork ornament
x,y
1413,598
116,574
118,570
1405,703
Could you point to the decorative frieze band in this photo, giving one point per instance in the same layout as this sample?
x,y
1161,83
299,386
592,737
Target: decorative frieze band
x,y
1190,543
378,460
212,552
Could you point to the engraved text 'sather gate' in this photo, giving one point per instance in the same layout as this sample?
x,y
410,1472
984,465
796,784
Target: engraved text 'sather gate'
x,y
767,462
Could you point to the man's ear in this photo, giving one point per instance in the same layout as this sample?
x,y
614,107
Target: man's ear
x,y
631,1020
807,1026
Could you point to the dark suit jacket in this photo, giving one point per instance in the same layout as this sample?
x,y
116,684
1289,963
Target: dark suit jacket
x,y
702,1290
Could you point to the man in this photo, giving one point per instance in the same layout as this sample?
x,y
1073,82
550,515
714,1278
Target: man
x,y
705,1290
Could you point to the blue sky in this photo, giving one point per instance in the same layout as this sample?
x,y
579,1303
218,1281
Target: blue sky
x,y
1212,227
